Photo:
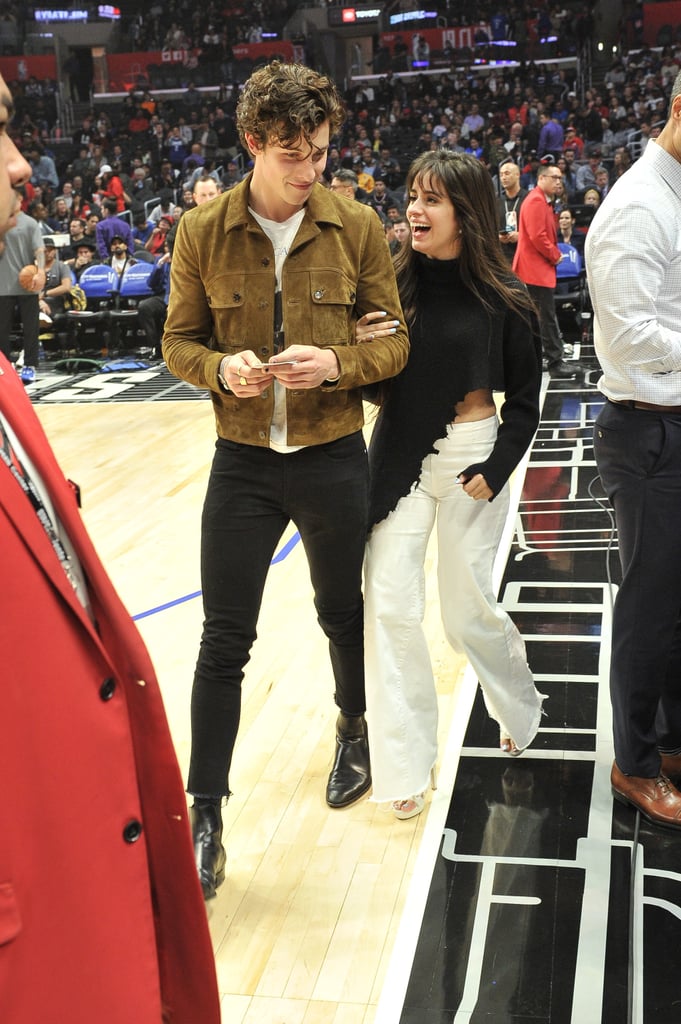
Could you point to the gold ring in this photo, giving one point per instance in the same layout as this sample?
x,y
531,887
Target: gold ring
x,y
243,382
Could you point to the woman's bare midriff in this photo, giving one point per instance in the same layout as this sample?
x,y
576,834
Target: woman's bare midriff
x,y
477,405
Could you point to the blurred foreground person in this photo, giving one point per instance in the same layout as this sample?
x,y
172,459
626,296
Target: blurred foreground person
x,y
101,915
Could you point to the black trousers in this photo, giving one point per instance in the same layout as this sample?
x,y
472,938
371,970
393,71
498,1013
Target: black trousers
x,y
551,338
151,314
253,493
28,312
638,454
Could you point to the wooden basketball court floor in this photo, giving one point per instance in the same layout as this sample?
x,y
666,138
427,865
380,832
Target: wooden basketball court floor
x,y
522,895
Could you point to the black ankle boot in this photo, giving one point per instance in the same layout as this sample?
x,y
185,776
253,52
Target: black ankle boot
x,y
350,776
209,853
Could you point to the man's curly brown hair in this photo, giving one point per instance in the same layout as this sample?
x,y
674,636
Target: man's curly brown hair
x,y
282,103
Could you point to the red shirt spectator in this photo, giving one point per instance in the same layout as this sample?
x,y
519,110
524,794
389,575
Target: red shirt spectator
x,y
573,141
111,187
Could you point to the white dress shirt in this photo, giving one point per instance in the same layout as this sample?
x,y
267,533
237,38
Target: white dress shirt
x,y
633,261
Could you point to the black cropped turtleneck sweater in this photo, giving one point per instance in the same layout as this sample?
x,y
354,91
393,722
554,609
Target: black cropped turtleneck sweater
x,y
457,346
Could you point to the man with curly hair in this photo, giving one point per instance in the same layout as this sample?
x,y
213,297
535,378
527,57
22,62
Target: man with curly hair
x,y
267,284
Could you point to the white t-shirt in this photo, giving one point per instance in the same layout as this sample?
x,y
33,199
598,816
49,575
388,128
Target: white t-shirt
x,y
281,235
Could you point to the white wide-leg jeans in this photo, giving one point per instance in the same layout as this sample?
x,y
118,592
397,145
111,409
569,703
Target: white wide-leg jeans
x,y
402,713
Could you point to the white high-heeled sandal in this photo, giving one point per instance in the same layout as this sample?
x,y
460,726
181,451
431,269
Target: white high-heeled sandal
x,y
413,805
508,746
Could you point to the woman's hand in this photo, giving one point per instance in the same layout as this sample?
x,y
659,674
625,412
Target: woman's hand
x,y
477,488
368,326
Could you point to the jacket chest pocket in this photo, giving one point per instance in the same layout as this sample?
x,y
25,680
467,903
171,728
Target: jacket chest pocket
x,y
227,298
332,299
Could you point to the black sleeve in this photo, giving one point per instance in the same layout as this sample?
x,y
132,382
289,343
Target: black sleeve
x,y
520,411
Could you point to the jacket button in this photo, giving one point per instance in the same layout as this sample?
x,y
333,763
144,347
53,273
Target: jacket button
x,y
132,831
353,296
236,297
265,261
106,690
261,435
319,293
264,351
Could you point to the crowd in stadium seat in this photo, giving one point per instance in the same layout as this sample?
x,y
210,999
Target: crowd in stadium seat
x,y
150,146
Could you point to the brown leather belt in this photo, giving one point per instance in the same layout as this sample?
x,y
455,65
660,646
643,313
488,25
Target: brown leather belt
x,y
629,403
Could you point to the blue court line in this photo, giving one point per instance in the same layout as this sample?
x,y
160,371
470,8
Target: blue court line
x,y
279,557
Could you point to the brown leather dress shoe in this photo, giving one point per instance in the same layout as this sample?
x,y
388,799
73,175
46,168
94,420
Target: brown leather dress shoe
x,y
658,801
671,767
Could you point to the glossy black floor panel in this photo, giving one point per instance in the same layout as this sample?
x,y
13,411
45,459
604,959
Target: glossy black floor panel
x,y
549,902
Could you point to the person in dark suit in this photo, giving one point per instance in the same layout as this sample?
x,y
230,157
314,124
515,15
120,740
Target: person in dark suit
x,y
98,889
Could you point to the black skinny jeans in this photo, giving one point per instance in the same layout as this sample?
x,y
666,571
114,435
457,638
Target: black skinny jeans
x,y
253,493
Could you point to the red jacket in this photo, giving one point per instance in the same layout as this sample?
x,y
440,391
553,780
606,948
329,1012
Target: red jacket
x,y
101,914
114,190
537,253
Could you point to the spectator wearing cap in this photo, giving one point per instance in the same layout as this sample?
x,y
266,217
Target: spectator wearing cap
x,y
155,244
586,173
573,142
551,137
119,258
57,280
111,187
85,256
108,227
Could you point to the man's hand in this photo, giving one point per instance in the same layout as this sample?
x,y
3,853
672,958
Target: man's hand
x,y
311,368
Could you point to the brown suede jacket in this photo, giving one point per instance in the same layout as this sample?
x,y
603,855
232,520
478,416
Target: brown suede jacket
x,y
222,302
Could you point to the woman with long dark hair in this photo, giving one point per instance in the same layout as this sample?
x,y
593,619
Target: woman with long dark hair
x,y
439,452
